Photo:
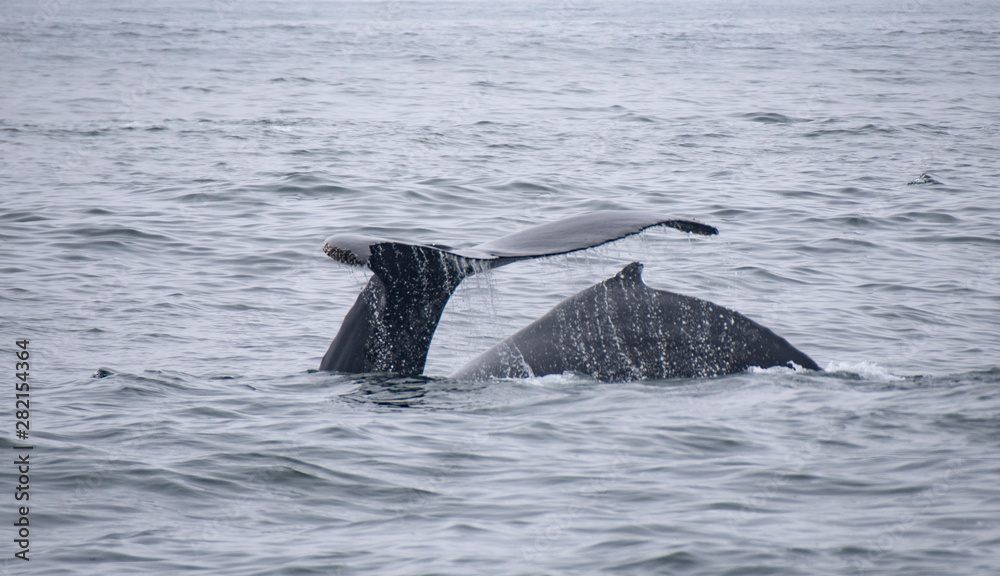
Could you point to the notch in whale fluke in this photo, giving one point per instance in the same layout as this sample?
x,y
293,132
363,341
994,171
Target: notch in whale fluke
x,y
390,326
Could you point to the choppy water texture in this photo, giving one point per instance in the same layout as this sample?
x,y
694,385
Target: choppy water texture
x,y
169,173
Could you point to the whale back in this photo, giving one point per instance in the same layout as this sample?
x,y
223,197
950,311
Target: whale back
x,y
621,329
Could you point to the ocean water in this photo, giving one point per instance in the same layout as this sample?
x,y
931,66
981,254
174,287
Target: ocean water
x,y
168,172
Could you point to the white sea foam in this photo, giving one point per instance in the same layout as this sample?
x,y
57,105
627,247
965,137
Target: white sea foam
x,y
866,370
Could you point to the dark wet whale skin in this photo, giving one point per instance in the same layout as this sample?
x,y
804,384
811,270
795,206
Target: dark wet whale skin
x,y
624,332
621,329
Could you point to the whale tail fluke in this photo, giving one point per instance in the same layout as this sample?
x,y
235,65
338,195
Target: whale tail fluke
x,y
550,239
390,326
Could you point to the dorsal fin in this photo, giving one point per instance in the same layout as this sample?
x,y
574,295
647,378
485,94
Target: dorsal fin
x,y
630,274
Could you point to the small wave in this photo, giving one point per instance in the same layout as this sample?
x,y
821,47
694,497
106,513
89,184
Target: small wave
x,y
557,380
633,117
103,373
299,79
863,370
858,131
23,217
772,118
319,190
523,186
679,560
779,370
116,232
924,178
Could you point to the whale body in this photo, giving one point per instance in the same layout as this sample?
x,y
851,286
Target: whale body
x,y
619,329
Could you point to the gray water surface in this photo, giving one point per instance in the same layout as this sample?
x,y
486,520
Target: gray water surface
x,y
168,173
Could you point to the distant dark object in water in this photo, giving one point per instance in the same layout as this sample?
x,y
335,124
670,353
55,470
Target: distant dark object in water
x,y
619,329
924,178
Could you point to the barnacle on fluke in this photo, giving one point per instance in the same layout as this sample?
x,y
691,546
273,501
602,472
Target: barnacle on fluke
x,y
342,255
